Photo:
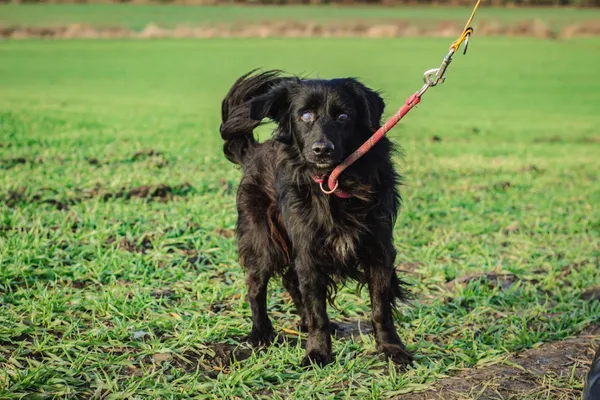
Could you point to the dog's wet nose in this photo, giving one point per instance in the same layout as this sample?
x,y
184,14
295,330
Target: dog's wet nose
x,y
323,148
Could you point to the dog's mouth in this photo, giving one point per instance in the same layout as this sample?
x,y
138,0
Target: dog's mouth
x,y
324,166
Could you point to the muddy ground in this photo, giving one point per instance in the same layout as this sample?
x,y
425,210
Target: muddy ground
x,y
539,373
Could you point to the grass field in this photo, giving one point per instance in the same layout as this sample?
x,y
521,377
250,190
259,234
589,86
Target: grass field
x,y
136,17
118,272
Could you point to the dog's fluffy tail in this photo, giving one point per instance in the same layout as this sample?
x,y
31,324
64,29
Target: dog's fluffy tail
x,y
236,125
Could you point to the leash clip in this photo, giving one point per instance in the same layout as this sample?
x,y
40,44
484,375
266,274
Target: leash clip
x,y
433,76
467,41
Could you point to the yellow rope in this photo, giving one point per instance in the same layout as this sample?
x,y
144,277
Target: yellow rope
x,y
467,31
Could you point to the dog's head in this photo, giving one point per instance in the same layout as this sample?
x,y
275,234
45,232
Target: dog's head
x,y
325,120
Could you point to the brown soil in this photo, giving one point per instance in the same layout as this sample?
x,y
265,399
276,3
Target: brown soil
x,y
9,163
161,192
347,329
531,168
586,29
533,374
409,267
94,161
140,245
220,307
210,358
392,28
155,158
502,280
164,294
143,154
226,233
591,294
195,259
503,185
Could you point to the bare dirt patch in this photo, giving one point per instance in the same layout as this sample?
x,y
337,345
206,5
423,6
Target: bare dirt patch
x,y
140,245
194,258
220,307
10,163
531,168
492,279
214,357
573,268
161,193
591,294
409,267
590,139
501,186
226,233
151,156
163,293
264,29
532,374
585,29
94,161
143,154
156,158
347,329
80,284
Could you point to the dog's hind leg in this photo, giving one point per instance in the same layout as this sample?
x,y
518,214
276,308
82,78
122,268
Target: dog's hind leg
x,y
384,289
257,280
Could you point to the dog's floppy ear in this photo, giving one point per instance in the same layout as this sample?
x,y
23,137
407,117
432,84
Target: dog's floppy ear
x,y
372,103
275,105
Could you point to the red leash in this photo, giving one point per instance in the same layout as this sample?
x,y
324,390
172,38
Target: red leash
x,y
431,77
368,145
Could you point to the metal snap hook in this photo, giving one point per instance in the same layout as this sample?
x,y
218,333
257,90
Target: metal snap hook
x,y
467,40
430,76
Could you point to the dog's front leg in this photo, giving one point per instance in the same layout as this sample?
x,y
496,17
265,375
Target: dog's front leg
x,y
314,295
384,289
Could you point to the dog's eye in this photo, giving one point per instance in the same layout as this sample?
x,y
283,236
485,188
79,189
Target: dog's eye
x,y
342,117
307,116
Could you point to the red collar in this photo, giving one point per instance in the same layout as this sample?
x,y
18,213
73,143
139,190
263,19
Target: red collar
x,y
336,191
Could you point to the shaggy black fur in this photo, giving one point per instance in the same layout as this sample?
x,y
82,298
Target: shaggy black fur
x,y
287,226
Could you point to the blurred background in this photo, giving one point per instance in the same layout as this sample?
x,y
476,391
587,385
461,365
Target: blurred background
x,y
119,275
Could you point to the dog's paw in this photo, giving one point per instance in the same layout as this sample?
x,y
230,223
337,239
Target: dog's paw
x,y
397,353
262,337
316,357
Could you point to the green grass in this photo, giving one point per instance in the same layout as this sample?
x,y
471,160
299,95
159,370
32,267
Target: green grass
x,y
137,16
94,287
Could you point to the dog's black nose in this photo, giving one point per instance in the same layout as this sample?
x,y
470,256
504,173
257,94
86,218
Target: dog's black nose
x,y
323,148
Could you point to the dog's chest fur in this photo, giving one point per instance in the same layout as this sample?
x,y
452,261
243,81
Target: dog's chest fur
x,y
329,228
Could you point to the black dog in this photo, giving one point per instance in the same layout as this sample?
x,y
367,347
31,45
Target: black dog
x,y
288,226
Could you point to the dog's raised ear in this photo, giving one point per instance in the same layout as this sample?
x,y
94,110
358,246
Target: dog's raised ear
x,y
372,104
